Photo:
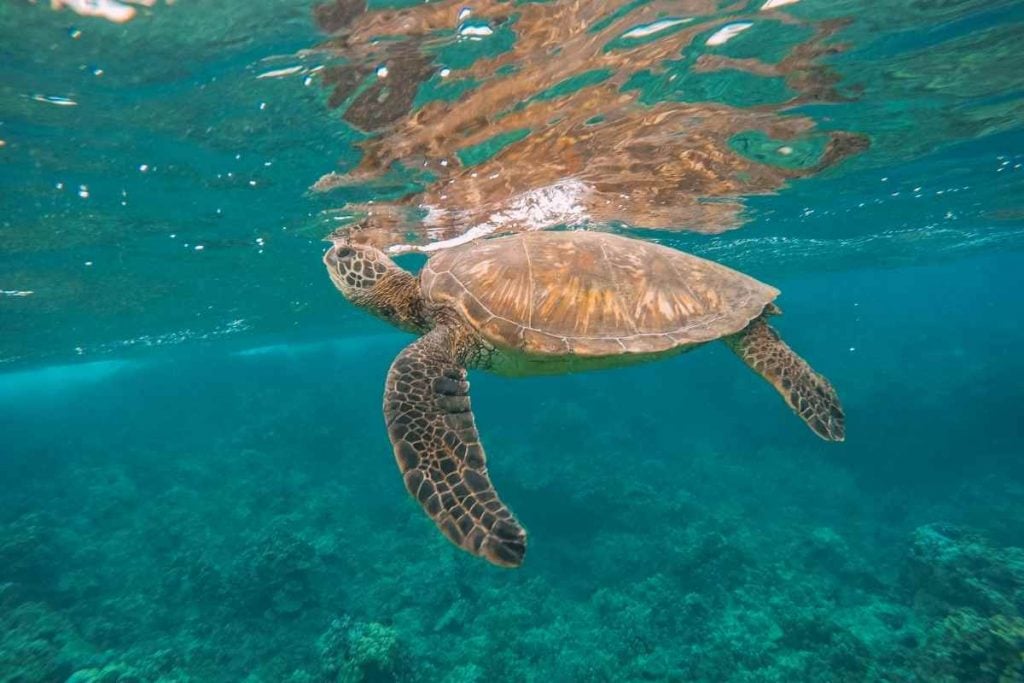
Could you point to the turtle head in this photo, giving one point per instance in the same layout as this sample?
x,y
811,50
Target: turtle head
x,y
368,278
356,269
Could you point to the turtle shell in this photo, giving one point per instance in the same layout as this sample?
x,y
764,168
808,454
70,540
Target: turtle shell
x,y
591,294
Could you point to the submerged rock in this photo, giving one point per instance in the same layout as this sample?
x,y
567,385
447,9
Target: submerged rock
x,y
966,646
36,643
274,574
951,567
351,652
974,592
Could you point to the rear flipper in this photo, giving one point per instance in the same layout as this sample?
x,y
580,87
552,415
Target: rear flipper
x,y
809,394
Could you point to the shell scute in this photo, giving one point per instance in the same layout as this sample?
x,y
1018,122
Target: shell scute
x,y
591,294
543,343
507,331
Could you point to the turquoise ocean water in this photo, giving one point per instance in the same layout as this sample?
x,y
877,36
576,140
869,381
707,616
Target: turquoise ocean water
x,y
195,478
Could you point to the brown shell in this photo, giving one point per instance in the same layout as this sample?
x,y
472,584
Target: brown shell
x,y
591,294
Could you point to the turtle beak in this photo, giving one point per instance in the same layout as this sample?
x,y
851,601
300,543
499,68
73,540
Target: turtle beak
x,y
330,258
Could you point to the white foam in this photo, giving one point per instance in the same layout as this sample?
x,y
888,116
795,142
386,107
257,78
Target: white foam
x,y
557,204
546,206
728,32
111,10
475,31
468,236
55,99
654,27
280,73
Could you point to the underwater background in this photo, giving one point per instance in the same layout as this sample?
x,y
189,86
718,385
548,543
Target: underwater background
x,y
195,478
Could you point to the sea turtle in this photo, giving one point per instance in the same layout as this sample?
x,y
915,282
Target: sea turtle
x,y
546,302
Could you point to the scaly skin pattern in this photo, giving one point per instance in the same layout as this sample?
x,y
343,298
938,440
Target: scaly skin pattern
x,y
372,281
809,394
437,446
426,399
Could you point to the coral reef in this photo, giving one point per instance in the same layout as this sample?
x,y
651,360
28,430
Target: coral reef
x,y
28,552
951,566
36,643
354,652
273,575
256,548
975,596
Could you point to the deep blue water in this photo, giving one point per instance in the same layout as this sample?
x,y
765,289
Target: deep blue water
x,y
197,482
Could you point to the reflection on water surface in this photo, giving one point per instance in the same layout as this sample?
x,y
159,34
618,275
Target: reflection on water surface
x,y
159,170
651,115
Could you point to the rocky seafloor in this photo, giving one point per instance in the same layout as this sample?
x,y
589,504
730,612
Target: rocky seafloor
x,y
241,519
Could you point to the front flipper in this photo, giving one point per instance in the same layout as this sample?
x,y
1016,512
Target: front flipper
x,y
430,422
809,394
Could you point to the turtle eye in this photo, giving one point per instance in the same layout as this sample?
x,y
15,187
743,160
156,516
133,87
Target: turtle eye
x,y
344,252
